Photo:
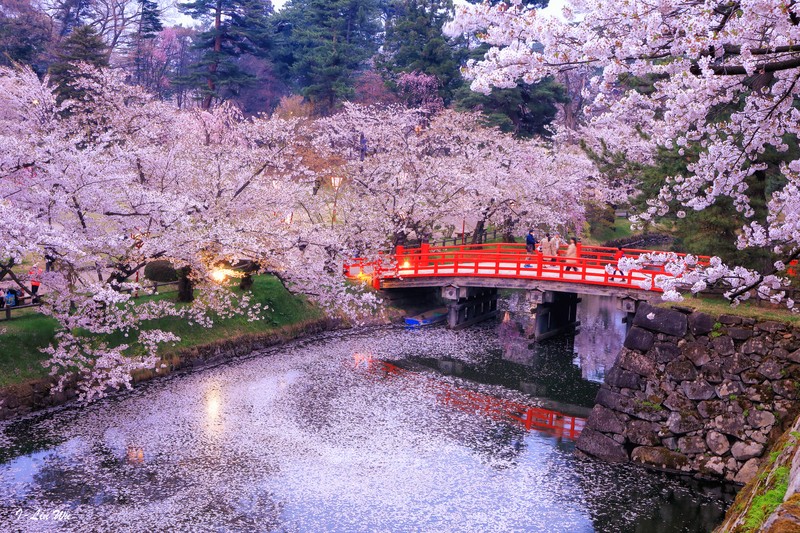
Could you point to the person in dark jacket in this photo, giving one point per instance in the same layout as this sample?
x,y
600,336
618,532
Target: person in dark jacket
x,y
530,242
530,246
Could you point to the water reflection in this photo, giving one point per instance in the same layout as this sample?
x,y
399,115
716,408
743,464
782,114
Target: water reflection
x,y
419,431
600,336
480,404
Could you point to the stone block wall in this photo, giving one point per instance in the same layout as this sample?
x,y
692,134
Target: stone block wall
x,y
696,394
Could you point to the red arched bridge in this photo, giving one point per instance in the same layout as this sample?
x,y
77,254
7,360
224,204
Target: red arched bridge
x,y
508,265
470,275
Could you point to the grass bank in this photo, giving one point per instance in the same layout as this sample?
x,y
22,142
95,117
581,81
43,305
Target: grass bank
x,y
22,338
717,305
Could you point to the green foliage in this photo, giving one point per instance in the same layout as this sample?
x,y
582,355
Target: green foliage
x,y
714,230
236,28
70,14
525,110
160,271
321,45
149,19
765,503
601,218
83,46
24,35
22,338
148,28
648,405
414,42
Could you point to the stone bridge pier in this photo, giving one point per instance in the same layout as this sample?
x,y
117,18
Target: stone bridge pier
x,y
469,305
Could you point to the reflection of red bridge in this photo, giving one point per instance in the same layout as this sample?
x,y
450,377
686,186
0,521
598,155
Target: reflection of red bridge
x,y
472,402
509,261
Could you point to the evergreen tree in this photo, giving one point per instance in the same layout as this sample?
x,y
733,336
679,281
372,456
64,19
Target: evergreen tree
x,y
414,43
525,110
24,34
70,14
323,44
147,30
83,46
237,27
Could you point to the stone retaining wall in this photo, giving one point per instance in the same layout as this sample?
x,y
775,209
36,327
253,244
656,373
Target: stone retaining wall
x,y
18,400
695,394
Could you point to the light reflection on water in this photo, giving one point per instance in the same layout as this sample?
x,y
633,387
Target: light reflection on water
x,y
324,436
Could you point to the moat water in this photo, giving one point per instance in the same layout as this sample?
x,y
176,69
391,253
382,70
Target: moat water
x,y
381,429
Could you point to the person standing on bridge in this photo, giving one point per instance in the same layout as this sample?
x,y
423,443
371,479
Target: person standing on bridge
x,y
572,255
617,256
550,246
530,247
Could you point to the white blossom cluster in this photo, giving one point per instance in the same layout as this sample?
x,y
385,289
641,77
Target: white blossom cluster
x,y
724,81
111,181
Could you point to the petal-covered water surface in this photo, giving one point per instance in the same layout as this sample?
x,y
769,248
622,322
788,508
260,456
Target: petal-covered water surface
x,y
372,430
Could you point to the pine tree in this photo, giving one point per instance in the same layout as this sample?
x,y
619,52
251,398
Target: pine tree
x,y
147,30
25,33
238,27
70,14
525,110
415,43
323,44
83,46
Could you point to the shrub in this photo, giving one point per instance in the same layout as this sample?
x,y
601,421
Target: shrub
x,y
160,271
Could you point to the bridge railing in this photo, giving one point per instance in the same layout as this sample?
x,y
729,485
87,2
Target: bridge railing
x,y
517,263
511,260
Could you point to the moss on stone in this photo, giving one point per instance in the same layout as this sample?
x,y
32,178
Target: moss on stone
x,y
765,503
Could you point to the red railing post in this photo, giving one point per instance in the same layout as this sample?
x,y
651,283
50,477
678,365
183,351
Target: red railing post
x,y
400,255
424,251
538,262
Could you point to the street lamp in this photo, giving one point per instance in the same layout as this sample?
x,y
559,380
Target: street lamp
x,y
336,182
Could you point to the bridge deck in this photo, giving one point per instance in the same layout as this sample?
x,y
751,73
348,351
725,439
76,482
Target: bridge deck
x,y
509,265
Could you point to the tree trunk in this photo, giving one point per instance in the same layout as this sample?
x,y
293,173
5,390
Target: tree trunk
x,y
185,285
247,282
478,232
508,231
212,67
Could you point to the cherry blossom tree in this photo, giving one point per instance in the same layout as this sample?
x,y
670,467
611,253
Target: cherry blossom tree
x,y
115,180
106,183
406,172
725,80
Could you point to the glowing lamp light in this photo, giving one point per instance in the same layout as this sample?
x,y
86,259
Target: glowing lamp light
x,y
220,274
406,264
336,181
